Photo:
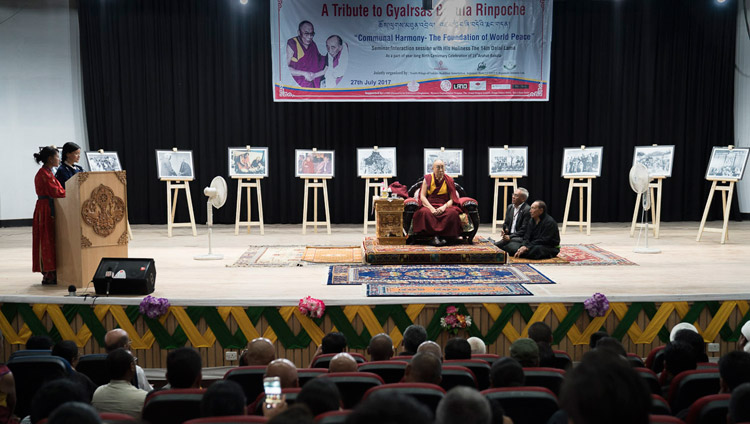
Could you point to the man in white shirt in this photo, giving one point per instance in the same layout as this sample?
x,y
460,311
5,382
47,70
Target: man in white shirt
x,y
337,60
516,219
120,396
118,338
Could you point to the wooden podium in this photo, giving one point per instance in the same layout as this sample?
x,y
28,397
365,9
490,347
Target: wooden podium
x,y
91,223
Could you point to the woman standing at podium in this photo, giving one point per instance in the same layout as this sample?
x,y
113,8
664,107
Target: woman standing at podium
x,y
43,228
71,154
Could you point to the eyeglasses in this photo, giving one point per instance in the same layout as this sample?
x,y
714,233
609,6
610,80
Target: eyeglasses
x,y
309,33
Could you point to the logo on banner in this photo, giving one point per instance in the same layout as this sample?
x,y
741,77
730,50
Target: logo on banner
x,y
460,86
445,85
477,85
440,67
412,86
501,86
520,86
481,67
509,65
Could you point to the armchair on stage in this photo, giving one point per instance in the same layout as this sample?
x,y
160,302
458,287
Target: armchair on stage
x,y
468,206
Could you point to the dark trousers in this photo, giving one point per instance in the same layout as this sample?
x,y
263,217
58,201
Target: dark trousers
x,y
534,252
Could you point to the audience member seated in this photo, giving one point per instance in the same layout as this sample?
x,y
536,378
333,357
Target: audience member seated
x,y
390,408
39,343
334,342
463,405
734,370
260,351
414,335
223,398
457,348
438,214
739,404
595,338
542,335
696,341
285,370
516,219
423,368
681,326
477,346
74,413
542,238
742,343
68,350
296,414
184,369
380,348
53,394
118,338
7,391
320,395
526,352
613,346
431,347
506,372
678,357
604,389
120,395
498,413
343,362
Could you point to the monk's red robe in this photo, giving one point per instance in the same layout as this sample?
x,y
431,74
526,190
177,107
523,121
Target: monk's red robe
x,y
43,226
306,59
448,224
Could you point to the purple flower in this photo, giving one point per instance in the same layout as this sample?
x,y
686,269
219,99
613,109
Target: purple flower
x,y
154,307
597,305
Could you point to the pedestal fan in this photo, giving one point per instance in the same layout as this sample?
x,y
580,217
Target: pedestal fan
x,y
217,196
639,181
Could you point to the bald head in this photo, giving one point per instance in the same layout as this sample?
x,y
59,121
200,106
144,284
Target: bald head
x,y
260,351
431,347
115,339
285,370
423,368
343,362
380,348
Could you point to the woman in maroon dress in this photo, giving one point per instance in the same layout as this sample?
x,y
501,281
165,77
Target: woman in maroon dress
x,y
43,228
438,215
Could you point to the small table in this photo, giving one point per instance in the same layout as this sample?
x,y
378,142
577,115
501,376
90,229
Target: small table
x,y
389,220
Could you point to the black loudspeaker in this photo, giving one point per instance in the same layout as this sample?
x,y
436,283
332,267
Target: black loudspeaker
x,y
125,276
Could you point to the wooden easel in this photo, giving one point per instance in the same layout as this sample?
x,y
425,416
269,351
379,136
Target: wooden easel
x,y
585,183
249,184
315,184
505,184
654,190
726,205
173,189
372,183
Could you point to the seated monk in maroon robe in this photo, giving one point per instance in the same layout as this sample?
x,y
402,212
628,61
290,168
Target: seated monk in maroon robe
x,y
438,215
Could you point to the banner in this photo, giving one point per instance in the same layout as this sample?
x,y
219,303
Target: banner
x,y
394,50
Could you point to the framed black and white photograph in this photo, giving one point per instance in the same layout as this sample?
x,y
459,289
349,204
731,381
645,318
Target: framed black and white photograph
x,y
510,162
452,158
314,163
173,165
579,162
727,164
248,163
103,161
657,159
376,163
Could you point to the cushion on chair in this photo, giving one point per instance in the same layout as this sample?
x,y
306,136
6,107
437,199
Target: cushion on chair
x,y
467,201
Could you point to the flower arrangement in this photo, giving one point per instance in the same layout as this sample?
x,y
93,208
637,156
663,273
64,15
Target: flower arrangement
x,y
313,308
453,321
597,305
154,307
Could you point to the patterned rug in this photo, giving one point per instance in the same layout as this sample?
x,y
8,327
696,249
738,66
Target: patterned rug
x,y
481,252
578,254
278,256
454,289
435,274
332,254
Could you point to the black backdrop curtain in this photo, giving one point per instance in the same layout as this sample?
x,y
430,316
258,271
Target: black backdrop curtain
x,y
195,74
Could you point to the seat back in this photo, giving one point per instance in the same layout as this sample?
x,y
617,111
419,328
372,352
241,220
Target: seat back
x,y
636,360
93,366
250,378
659,406
112,417
389,371
455,375
173,406
307,374
333,417
551,378
489,357
229,419
689,386
406,358
706,366
651,379
427,394
655,359
30,373
525,405
709,409
30,352
324,360
480,368
562,360
664,419
353,385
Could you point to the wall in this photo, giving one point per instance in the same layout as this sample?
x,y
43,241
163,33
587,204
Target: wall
x,y
742,97
41,99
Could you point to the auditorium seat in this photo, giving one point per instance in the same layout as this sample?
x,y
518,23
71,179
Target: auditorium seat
x,y
455,375
428,395
562,360
664,419
659,405
30,373
480,368
30,352
489,357
333,417
389,371
551,378
707,366
250,378
655,359
93,366
322,361
229,419
406,358
256,407
307,374
173,406
525,405
689,386
635,360
709,409
113,417
353,385
651,379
